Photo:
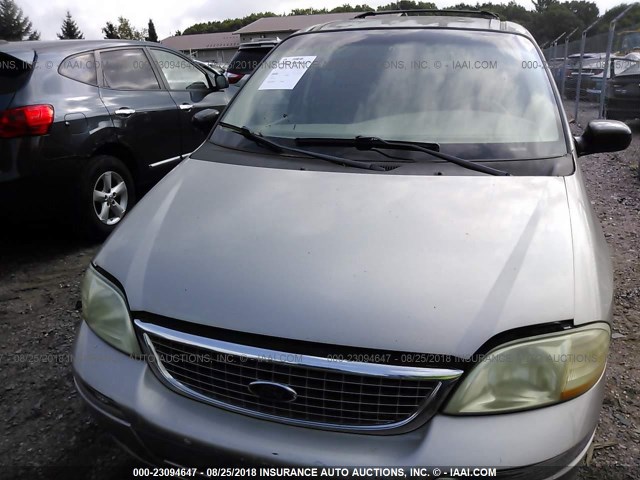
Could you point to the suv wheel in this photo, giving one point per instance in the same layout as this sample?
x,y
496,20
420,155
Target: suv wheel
x,y
106,195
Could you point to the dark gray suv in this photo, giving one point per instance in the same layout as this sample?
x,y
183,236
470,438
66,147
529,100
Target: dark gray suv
x,y
99,119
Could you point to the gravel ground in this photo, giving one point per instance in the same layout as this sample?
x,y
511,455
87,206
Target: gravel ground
x,y
614,189
45,424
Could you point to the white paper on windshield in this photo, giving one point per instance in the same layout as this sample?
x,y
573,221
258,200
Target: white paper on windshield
x,y
287,74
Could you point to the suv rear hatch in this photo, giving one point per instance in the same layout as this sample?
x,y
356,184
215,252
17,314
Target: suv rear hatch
x,y
16,65
247,58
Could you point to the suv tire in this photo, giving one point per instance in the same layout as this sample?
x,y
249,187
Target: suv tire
x,y
106,193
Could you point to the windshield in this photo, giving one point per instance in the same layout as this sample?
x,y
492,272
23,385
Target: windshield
x,y
479,95
630,40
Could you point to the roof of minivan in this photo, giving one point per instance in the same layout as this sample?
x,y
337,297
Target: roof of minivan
x,y
68,46
424,21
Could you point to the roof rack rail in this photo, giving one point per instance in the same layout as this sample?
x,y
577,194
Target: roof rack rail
x,y
476,13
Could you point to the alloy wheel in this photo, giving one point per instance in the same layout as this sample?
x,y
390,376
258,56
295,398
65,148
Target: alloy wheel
x,y
110,198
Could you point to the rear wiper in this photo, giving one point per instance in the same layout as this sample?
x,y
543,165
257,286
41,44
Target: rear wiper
x,y
277,147
370,143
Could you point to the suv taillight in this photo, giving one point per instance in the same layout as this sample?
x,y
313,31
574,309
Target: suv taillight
x,y
234,77
26,121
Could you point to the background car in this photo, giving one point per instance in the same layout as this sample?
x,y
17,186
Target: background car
x,y
617,65
247,58
622,101
592,64
96,122
213,67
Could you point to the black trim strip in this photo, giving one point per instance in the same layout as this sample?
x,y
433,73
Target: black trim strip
x,y
346,352
430,11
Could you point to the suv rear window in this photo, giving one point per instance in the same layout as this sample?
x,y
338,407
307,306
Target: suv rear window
x,y
245,61
81,68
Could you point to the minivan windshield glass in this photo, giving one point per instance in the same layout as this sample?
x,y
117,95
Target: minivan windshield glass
x,y
479,95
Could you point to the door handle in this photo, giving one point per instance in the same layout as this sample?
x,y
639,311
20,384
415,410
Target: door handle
x,y
125,111
185,106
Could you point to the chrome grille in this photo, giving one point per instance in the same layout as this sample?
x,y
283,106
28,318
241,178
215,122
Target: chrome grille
x,y
331,394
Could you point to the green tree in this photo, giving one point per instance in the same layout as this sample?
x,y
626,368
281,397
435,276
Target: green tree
x,y
229,25
408,5
307,11
629,22
461,6
14,25
346,8
543,5
588,12
548,25
69,29
513,12
123,30
128,31
110,31
152,36
510,11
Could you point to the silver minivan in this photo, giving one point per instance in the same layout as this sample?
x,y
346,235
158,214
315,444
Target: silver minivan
x,y
382,255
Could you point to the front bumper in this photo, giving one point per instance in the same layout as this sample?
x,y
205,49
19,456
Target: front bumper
x,y
163,427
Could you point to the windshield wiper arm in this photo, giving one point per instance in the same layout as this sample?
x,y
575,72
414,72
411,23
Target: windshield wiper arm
x,y
370,143
365,143
277,147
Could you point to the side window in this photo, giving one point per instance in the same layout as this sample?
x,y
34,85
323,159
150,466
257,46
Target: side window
x,y
180,73
127,69
80,67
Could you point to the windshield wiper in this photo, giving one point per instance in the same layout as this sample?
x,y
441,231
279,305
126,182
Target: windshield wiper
x,y
277,147
370,143
364,143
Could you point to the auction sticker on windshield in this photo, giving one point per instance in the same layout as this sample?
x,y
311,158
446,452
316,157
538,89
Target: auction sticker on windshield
x,y
287,73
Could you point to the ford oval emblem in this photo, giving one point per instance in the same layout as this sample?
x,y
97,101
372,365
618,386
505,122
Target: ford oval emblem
x,y
272,392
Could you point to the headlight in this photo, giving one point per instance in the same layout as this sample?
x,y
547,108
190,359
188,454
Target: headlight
x,y
105,311
534,372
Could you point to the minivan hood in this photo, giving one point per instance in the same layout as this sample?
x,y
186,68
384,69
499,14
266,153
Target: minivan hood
x,y
435,264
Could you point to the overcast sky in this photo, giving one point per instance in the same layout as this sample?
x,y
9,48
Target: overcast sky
x,y
171,15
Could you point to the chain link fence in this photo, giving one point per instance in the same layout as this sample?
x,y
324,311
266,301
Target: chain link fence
x,y
597,68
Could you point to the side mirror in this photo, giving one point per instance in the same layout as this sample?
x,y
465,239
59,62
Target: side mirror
x,y
205,119
603,136
221,82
